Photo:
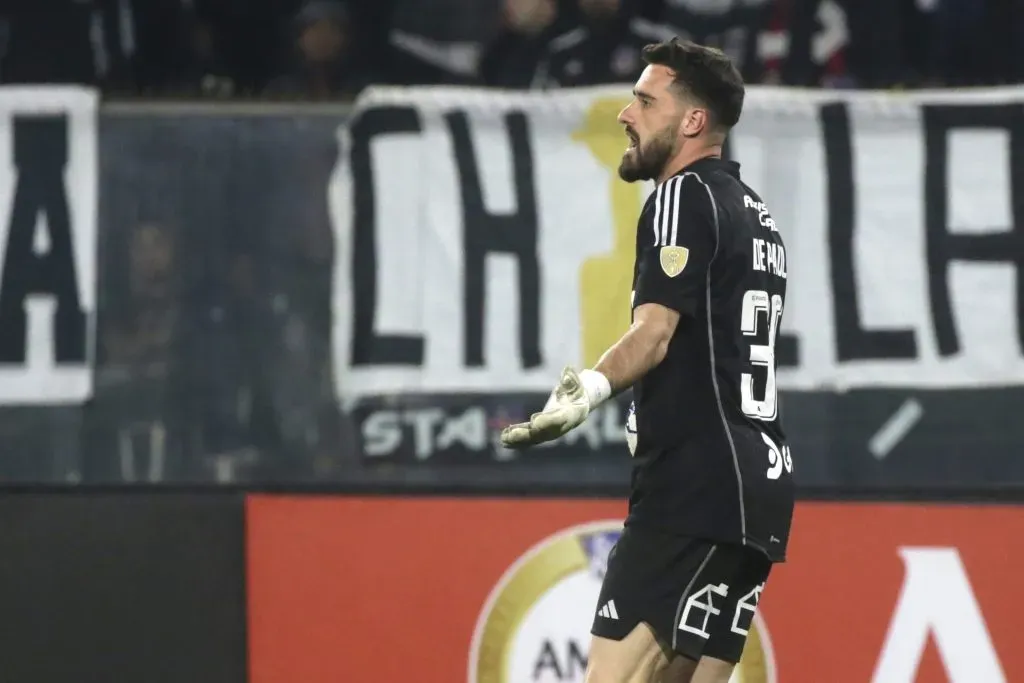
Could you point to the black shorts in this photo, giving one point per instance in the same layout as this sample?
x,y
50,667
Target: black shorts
x,y
698,596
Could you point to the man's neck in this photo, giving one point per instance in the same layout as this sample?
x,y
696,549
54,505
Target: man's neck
x,y
685,157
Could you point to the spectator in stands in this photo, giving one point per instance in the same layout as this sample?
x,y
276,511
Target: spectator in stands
x,y
252,39
327,67
144,318
877,50
732,26
805,44
144,46
605,48
978,43
197,65
440,41
512,58
133,419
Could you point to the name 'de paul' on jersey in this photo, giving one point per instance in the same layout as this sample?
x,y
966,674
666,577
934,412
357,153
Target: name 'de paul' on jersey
x,y
768,257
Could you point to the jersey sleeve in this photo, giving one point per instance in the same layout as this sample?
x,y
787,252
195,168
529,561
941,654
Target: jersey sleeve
x,y
674,255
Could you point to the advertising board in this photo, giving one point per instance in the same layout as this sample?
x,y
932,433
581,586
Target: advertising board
x,y
505,590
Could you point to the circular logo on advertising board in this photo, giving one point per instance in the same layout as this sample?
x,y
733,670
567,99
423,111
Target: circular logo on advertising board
x,y
535,625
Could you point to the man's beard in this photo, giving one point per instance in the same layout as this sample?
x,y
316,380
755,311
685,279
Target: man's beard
x,y
646,162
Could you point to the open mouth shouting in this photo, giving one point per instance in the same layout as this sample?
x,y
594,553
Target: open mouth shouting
x,y
634,139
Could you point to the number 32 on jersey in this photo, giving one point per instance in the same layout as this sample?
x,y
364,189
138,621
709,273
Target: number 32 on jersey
x,y
760,308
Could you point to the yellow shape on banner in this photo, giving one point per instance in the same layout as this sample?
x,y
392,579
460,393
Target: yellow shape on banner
x,y
606,281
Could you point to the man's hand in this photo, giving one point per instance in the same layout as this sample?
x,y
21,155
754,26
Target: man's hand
x,y
568,406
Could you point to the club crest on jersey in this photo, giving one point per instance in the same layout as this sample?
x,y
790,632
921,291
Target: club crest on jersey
x,y
673,260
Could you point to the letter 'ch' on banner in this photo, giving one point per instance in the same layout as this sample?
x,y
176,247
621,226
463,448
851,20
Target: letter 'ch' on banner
x,y
485,239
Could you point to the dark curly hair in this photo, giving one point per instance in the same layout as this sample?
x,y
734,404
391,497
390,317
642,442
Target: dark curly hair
x,y
703,73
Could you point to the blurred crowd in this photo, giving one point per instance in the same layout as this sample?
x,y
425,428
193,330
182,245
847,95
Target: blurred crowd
x,y
331,49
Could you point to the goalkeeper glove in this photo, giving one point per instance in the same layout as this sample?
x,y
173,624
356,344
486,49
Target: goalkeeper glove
x,y
570,403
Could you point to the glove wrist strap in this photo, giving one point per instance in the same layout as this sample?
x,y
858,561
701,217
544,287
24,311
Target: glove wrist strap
x,y
596,386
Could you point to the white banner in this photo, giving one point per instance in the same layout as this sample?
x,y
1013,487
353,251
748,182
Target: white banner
x,y
48,208
484,239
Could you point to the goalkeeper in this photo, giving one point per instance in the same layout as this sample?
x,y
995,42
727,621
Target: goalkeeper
x,y
712,493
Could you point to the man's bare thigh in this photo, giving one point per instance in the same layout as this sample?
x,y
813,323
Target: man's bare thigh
x,y
638,658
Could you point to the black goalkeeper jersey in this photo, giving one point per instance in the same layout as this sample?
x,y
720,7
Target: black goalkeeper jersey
x,y
711,458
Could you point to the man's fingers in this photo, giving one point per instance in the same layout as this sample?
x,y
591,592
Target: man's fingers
x,y
543,426
548,421
516,435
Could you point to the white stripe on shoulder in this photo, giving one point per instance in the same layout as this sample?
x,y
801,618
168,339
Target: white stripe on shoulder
x,y
656,221
714,207
567,40
676,201
650,30
666,210
668,204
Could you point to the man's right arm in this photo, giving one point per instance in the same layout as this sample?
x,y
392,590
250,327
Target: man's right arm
x,y
641,348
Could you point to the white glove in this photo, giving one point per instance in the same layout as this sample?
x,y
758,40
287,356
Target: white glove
x,y
570,403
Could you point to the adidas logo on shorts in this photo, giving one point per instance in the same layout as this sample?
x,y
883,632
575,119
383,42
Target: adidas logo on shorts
x,y
608,611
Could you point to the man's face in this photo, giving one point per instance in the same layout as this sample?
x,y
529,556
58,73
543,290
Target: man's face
x,y
653,125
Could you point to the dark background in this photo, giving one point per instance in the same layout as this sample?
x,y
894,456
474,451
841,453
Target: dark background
x,y
226,49
131,586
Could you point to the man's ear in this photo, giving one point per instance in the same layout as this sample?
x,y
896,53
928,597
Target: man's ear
x,y
694,122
